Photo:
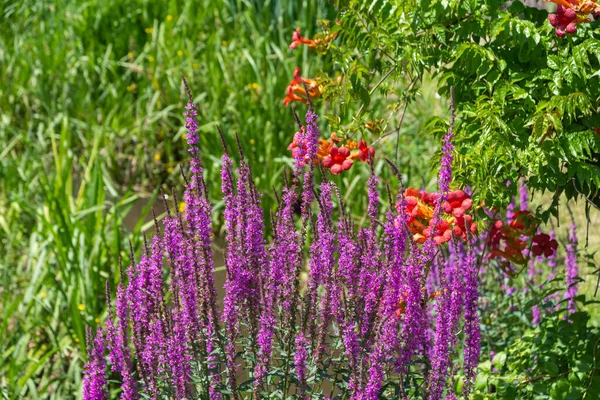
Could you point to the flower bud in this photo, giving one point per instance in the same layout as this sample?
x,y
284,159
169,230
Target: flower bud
x,y
570,14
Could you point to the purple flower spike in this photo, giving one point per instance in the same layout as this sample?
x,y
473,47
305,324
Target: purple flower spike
x,y
94,370
471,327
300,363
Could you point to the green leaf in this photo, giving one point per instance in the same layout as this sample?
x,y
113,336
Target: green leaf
x,y
499,360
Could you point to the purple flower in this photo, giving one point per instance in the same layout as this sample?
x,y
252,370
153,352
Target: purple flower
x,y
384,298
414,333
118,344
348,268
198,232
449,309
300,363
280,280
312,134
536,315
94,370
235,282
376,376
523,196
510,209
353,353
311,145
444,179
322,265
471,326
191,124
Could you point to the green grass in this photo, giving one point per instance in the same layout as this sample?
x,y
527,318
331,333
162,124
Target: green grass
x,y
62,235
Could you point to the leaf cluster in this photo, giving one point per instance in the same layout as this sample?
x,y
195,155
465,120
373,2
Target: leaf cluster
x,y
528,102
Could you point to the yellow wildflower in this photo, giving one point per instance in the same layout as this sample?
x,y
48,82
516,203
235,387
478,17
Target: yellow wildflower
x,y
252,141
179,53
131,87
151,59
97,320
169,17
157,156
149,30
181,206
43,294
130,54
81,307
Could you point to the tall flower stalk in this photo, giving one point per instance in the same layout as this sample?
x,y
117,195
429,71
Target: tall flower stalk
x,y
94,370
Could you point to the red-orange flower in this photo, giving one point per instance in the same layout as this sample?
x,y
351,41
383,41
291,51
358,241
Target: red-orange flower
x,y
505,243
296,91
365,153
320,43
325,145
291,96
457,203
513,251
508,240
442,234
338,160
570,13
420,206
461,224
298,39
543,245
401,305
324,148
351,144
523,223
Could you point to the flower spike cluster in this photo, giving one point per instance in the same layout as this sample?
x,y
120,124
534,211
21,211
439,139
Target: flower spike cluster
x,y
94,370
366,302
